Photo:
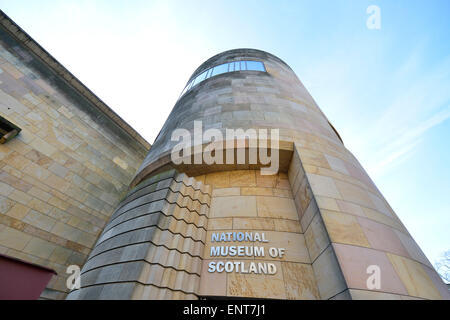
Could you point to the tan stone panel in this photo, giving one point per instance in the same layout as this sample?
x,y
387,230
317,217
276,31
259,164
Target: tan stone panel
x,y
242,178
282,193
60,255
438,282
323,186
257,285
296,182
173,258
283,181
300,281
86,239
54,201
20,197
327,203
153,274
316,237
36,172
5,189
220,223
38,193
413,249
373,295
294,166
294,243
358,172
168,278
353,193
382,237
235,206
253,223
18,211
287,225
414,277
304,195
39,220
381,205
12,70
218,179
355,261
14,239
313,157
329,278
225,192
266,181
65,231
201,178
256,191
10,181
382,218
275,207
309,213
344,228
337,164
212,283
20,163
349,207
40,248
157,254
43,146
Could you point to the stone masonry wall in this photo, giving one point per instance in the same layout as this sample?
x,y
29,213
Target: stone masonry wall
x,y
153,245
348,225
63,175
246,201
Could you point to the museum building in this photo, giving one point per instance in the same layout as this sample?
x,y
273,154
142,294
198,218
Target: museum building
x,y
278,209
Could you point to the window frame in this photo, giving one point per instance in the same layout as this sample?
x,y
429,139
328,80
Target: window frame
x,y
8,130
230,66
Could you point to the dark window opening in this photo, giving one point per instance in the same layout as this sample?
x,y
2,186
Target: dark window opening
x,y
7,130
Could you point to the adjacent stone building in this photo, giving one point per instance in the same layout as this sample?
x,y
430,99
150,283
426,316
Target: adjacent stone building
x,y
80,187
66,170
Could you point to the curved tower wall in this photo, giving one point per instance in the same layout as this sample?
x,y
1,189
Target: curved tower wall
x,y
321,212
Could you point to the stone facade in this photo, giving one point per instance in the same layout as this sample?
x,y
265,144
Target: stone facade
x,y
152,248
244,200
321,207
78,186
66,171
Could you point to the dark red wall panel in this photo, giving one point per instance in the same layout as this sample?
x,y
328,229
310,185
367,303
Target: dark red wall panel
x,y
20,280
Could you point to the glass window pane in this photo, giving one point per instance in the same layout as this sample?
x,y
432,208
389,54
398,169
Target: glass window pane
x,y
202,75
223,68
255,65
199,78
194,82
208,74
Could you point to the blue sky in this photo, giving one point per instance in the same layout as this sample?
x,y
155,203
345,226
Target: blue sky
x,y
386,91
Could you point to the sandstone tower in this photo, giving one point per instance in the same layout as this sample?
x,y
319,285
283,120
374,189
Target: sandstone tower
x,y
325,230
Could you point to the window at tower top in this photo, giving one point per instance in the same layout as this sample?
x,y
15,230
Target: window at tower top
x,y
244,65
